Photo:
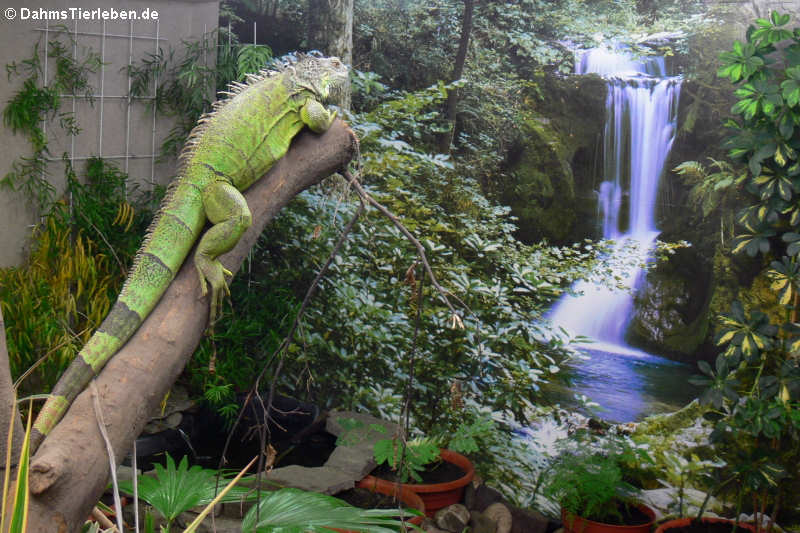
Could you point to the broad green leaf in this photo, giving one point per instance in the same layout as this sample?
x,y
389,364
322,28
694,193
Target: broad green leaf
x,y
296,511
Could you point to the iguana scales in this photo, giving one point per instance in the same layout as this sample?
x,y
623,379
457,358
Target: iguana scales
x,y
229,149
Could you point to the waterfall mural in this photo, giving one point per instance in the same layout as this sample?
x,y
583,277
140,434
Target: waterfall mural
x,y
641,114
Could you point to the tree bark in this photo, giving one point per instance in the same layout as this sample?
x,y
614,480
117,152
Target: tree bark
x,y
71,468
8,406
446,138
330,30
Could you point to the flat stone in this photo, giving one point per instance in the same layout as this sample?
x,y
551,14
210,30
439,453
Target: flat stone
x,y
357,462
452,518
316,479
368,430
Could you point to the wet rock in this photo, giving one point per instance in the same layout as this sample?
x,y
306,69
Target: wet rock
x,y
317,479
500,515
481,523
483,497
527,521
355,461
452,518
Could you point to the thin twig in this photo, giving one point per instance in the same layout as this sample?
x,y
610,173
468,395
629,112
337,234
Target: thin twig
x,y
288,339
102,236
406,423
284,344
98,411
41,360
135,481
365,196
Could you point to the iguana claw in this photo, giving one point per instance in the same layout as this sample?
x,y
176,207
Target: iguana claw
x,y
211,270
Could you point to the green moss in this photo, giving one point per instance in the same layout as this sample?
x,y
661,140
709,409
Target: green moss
x,y
665,424
542,191
661,431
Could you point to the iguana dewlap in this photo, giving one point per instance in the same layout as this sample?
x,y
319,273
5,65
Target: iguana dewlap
x,y
230,149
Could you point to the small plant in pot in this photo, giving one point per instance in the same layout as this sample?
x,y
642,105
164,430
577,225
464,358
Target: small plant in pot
x,y
430,467
594,497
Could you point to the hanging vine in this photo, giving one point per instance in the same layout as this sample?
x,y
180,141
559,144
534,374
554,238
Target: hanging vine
x,y
38,102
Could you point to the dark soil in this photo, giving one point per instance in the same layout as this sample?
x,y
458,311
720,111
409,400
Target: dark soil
x,y
366,499
629,515
700,527
438,472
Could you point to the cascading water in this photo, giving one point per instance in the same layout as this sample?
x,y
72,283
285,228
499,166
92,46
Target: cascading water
x,y
641,114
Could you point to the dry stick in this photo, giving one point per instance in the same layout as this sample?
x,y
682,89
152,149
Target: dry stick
x,y
41,360
135,481
420,249
283,346
102,426
103,519
410,384
288,339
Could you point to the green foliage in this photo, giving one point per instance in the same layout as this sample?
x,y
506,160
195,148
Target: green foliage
x,y
589,482
81,254
33,106
754,389
251,58
174,490
296,510
408,459
682,472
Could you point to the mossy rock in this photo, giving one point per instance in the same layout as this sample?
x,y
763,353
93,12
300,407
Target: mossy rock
x,y
557,138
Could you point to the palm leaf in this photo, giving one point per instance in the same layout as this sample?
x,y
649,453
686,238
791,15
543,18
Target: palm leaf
x,y
295,511
174,490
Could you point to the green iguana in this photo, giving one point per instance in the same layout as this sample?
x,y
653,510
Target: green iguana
x,y
229,149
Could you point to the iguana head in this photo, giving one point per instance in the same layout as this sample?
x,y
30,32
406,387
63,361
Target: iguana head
x,y
325,76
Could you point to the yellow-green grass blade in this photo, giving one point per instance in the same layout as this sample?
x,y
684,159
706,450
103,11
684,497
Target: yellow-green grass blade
x,y
196,522
6,477
19,516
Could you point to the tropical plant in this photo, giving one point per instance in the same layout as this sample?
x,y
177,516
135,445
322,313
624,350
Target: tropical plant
x,y
174,490
37,103
588,483
409,459
79,259
754,391
682,472
295,510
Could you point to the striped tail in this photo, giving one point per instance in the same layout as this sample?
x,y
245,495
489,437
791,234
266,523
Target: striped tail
x,y
169,240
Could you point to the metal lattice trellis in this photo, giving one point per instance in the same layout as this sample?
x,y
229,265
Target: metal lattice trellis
x,y
101,98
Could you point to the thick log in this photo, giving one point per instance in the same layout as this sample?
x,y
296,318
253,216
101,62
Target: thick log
x,y
71,468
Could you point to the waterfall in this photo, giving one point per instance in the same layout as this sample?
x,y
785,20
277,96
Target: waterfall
x,y
641,114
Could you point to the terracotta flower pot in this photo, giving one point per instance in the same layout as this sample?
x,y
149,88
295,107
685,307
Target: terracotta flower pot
x,y
577,524
409,498
435,495
683,522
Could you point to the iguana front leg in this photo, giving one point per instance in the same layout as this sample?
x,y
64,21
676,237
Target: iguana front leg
x,y
227,209
316,117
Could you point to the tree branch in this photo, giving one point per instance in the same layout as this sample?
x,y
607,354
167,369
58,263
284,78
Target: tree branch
x,y
70,470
